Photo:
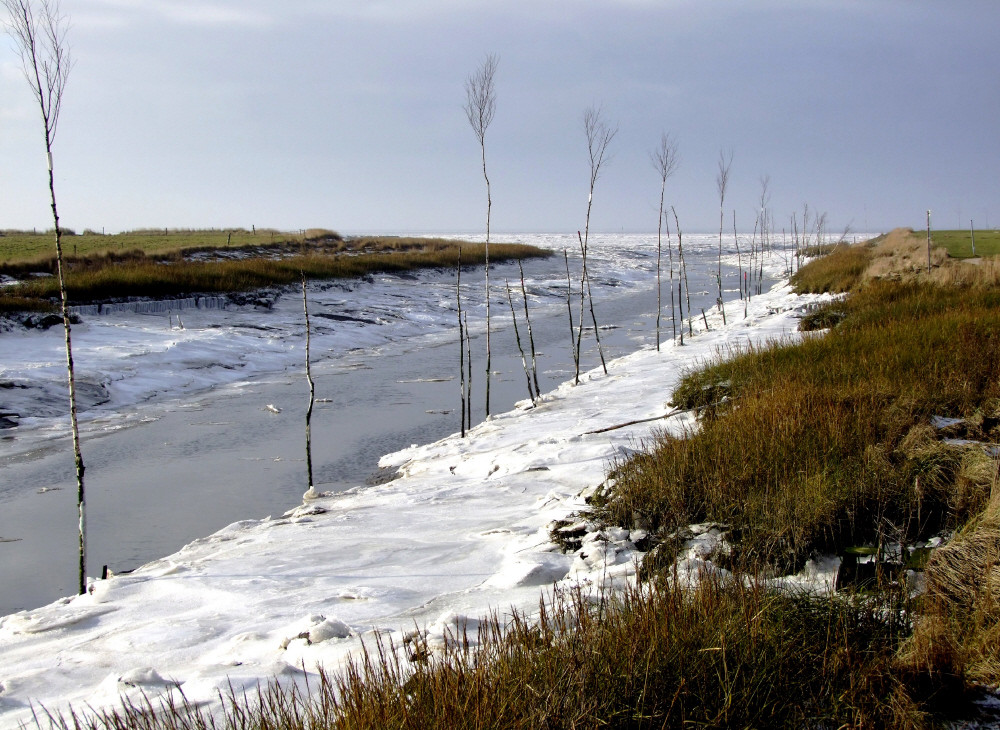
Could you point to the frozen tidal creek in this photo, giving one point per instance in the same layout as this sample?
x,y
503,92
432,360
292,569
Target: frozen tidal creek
x,y
203,428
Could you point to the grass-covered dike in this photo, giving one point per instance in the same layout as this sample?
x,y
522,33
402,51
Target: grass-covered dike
x,y
874,436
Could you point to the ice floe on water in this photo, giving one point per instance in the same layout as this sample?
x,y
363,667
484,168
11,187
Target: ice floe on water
x,y
462,530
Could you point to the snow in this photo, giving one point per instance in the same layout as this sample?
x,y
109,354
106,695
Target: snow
x,y
462,531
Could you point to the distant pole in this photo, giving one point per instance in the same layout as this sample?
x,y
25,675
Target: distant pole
x,y
972,232
928,242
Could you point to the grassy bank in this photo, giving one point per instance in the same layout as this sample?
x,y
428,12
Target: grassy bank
x,y
34,247
821,447
204,269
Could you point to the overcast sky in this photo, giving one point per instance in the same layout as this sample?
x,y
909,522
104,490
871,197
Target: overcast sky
x,y
348,114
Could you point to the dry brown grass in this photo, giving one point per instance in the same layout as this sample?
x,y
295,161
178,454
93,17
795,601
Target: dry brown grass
x,y
961,623
902,256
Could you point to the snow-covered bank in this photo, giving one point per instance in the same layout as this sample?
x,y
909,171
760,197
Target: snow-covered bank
x,y
463,530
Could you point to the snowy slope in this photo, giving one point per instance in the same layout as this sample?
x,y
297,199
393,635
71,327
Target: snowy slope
x,y
460,532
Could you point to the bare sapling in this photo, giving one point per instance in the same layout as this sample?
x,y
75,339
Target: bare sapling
x,y
721,184
683,273
585,284
599,136
805,227
819,225
480,106
664,159
531,334
39,31
569,306
795,240
765,227
461,337
468,373
311,492
739,256
520,347
673,308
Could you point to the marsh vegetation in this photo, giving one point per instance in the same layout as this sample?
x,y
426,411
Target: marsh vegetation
x,y
147,270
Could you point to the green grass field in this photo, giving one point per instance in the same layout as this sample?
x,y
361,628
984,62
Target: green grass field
x,y
959,243
28,247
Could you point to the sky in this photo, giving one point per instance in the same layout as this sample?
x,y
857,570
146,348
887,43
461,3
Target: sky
x,y
349,114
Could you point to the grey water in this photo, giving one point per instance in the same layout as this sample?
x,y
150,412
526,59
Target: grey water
x,y
190,465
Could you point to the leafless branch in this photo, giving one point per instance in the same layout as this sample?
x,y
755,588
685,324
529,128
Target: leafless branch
x,y
722,177
45,56
480,96
665,158
599,136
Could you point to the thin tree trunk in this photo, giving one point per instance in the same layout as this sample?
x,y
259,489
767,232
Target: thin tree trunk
x,y
587,295
569,307
680,309
659,257
739,255
461,338
673,309
489,353
684,270
520,347
468,372
583,301
80,468
597,330
311,492
531,335
718,276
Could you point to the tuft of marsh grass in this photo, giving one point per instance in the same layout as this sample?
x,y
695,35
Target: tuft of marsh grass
x,y
723,655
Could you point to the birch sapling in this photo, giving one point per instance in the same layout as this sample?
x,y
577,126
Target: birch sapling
x,y
722,183
683,265
664,159
520,347
461,337
468,372
39,32
569,306
480,106
599,136
531,334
